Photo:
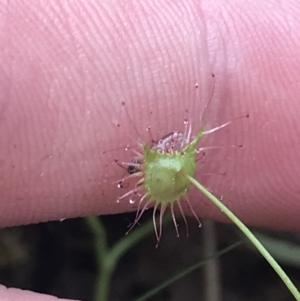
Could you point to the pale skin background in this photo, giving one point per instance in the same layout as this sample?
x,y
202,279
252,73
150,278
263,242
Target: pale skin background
x,y
67,65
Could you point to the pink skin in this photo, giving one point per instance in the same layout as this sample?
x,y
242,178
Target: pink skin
x,y
66,66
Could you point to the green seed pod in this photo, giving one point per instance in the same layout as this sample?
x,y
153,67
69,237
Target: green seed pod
x,y
164,180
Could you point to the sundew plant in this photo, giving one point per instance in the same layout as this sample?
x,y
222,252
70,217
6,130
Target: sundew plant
x,y
161,170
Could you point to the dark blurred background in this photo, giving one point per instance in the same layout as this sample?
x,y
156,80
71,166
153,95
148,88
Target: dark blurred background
x,y
59,258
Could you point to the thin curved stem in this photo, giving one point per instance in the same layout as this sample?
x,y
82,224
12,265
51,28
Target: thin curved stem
x,y
284,277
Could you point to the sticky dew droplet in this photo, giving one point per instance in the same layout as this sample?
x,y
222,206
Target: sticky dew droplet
x,y
120,184
131,201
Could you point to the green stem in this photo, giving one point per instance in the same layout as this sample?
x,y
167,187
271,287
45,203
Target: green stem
x,y
250,236
107,258
105,271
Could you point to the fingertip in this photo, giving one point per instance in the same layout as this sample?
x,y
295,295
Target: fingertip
x,y
14,294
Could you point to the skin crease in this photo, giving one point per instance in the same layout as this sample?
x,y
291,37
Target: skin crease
x,y
66,66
